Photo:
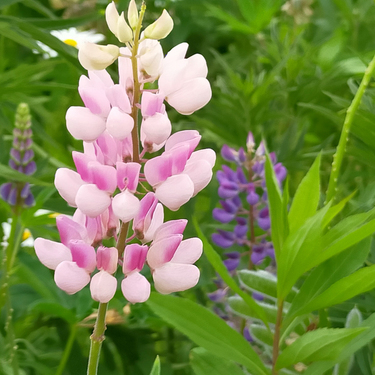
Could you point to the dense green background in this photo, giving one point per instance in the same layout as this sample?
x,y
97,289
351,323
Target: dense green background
x,y
286,81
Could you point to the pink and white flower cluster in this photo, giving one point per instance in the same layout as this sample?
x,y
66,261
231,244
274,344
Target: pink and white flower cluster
x,y
113,186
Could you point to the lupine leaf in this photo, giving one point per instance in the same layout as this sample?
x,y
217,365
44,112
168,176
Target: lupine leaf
x,y
306,199
358,342
261,334
332,270
348,287
319,345
204,363
10,174
207,330
278,215
220,268
156,367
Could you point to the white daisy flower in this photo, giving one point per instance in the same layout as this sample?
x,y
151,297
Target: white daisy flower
x,y
71,36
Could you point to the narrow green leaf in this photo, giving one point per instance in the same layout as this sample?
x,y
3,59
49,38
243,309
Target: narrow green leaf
x,y
156,367
260,334
278,215
329,272
5,3
299,251
240,308
207,330
358,282
54,309
261,281
18,36
358,342
204,363
220,268
336,209
306,199
10,174
319,345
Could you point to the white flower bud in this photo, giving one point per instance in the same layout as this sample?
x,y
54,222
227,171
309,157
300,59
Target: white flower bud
x,y
111,16
133,14
95,57
124,32
160,28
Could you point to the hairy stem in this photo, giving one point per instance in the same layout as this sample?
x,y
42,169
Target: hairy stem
x,y
96,340
67,350
276,337
341,148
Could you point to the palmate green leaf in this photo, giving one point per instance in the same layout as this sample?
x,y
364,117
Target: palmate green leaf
x,y
207,330
348,287
306,199
263,282
204,363
220,268
358,342
319,345
277,208
329,272
240,308
156,367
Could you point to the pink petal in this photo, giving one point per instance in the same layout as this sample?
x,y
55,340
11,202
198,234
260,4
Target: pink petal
x,y
190,137
156,222
169,228
93,97
134,257
128,175
71,278
206,154
125,206
162,251
146,209
194,95
151,104
180,155
174,277
70,230
171,79
92,201
83,255
103,287
91,225
200,172
107,259
100,78
175,191
81,161
103,176
136,288
188,252
176,53
156,129
125,69
197,67
51,253
158,169
119,123
118,98
67,183
84,125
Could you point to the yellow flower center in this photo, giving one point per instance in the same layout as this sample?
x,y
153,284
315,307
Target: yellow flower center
x,y
70,42
26,234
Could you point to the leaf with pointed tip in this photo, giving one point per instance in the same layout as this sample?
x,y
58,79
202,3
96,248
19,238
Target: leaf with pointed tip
x,y
156,367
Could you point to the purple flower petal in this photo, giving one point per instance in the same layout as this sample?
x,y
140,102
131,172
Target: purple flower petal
x,y
241,176
222,216
27,156
25,190
228,190
12,198
29,200
5,190
229,206
231,264
247,336
241,155
217,296
233,255
15,155
30,168
223,239
264,221
228,153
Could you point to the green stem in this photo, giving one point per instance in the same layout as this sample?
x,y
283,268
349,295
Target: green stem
x,y
276,337
341,148
96,340
67,350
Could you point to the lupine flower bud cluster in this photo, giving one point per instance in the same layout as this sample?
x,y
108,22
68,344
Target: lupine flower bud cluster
x,y
21,160
243,194
114,188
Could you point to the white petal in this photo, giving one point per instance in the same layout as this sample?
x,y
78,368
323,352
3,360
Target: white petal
x,y
136,288
92,201
188,252
51,253
71,278
125,206
103,287
67,183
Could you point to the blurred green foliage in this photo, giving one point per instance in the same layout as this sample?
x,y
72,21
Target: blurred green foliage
x,y
286,74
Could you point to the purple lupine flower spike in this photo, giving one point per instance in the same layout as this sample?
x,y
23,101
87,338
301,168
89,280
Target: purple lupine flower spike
x,y
21,160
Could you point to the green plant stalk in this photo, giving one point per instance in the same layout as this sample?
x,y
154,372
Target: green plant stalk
x,y
349,118
276,337
96,340
98,335
67,350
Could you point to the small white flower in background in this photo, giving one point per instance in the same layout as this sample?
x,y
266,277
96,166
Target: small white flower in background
x,y
72,37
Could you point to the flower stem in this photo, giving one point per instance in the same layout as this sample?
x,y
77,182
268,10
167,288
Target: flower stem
x,y
276,337
341,148
96,340
251,212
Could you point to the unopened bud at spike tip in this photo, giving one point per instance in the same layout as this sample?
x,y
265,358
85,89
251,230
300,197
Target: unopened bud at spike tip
x,y
133,14
124,32
160,28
